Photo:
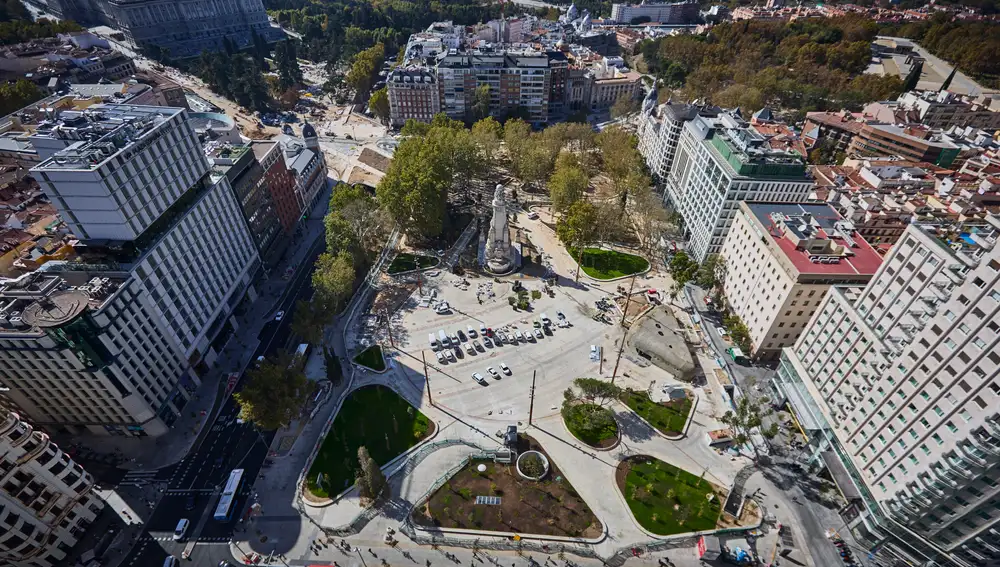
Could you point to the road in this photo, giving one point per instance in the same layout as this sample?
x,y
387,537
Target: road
x,y
228,445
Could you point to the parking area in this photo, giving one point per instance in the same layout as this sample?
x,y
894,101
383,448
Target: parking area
x,y
557,357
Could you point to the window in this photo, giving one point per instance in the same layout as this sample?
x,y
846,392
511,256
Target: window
x,y
951,427
937,410
937,439
965,415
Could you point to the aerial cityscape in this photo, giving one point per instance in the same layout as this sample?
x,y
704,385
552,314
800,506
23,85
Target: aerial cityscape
x,y
332,283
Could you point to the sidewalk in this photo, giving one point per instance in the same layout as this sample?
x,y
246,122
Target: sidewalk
x,y
143,453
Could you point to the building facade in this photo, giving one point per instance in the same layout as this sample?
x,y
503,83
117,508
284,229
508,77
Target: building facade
x,y
718,163
280,182
519,82
46,499
667,13
144,304
413,93
780,260
946,109
880,140
897,385
659,133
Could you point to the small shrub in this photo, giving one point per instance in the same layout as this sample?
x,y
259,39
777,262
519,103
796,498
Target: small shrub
x,y
535,294
533,466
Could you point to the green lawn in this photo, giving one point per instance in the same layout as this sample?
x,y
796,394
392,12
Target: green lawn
x,y
608,264
591,423
371,357
668,417
404,262
667,500
373,416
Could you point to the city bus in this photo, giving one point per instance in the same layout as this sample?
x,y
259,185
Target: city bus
x,y
301,353
224,511
737,355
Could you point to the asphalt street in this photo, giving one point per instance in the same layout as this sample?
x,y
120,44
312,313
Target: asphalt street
x,y
200,476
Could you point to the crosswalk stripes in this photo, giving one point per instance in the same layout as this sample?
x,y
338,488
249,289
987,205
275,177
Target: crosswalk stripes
x,y
138,478
186,491
201,539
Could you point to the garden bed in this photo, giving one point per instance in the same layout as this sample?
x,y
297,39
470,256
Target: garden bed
x,y
405,262
372,358
666,500
580,421
602,264
669,418
547,507
386,433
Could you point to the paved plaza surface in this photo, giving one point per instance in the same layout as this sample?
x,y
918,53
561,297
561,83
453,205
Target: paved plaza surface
x,y
293,533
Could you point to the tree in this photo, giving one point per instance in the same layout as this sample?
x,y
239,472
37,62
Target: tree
x,y
682,268
287,63
622,162
624,106
274,392
738,332
379,105
486,134
481,102
567,185
333,279
310,318
578,228
749,415
373,478
414,192
15,96
364,69
599,390
650,220
355,223
711,272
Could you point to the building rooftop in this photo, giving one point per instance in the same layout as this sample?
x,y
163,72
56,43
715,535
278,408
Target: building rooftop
x,y
816,239
51,298
101,133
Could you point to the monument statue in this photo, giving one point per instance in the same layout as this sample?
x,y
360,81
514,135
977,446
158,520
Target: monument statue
x,y
499,258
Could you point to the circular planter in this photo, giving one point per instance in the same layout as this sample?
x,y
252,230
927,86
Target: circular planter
x,y
545,464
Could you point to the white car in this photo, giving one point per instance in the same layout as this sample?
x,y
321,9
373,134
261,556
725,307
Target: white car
x,y
470,331
478,377
440,356
469,348
538,334
279,315
528,336
451,355
493,372
181,529
722,331
519,336
532,215
506,369
482,329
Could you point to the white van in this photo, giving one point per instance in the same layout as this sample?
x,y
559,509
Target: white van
x,y
454,339
434,341
181,529
443,339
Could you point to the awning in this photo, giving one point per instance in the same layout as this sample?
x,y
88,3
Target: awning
x,y
802,406
840,475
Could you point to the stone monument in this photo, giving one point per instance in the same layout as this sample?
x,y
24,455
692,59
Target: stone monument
x,y
499,258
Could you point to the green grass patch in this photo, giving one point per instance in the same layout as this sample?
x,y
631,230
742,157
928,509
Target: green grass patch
x,y
404,262
371,357
608,264
667,500
667,417
375,417
591,423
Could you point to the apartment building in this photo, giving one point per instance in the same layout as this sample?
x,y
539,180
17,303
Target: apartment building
x,y
882,140
659,133
611,84
279,182
304,160
135,314
666,13
780,260
719,162
46,499
519,81
897,385
835,128
942,109
413,93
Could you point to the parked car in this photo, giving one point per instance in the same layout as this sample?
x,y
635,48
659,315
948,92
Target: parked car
x,y
538,334
477,345
470,331
722,331
505,368
478,378
469,348
440,356
483,330
519,336
279,315
451,355
487,342
493,372
181,529
528,336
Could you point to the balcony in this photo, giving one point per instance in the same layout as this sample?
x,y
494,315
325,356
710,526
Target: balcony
x,y
993,426
973,453
906,507
929,485
988,545
983,443
920,498
956,467
944,477
897,511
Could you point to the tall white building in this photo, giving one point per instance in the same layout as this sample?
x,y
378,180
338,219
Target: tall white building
x,y
660,131
897,385
127,326
46,500
719,162
664,13
780,260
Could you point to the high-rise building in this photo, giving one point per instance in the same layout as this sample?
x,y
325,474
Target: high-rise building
x,y
113,338
719,162
185,28
518,81
46,500
664,13
780,260
897,386
660,131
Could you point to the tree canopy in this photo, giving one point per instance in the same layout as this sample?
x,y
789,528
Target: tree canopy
x,y
972,46
274,392
379,105
236,77
364,70
15,96
287,63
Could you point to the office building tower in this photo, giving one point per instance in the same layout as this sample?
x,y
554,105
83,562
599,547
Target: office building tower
x,y
659,133
46,499
719,162
113,338
663,13
779,262
897,385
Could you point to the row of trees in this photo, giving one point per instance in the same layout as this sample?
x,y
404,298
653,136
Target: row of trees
x,y
364,70
16,25
236,76
804,65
